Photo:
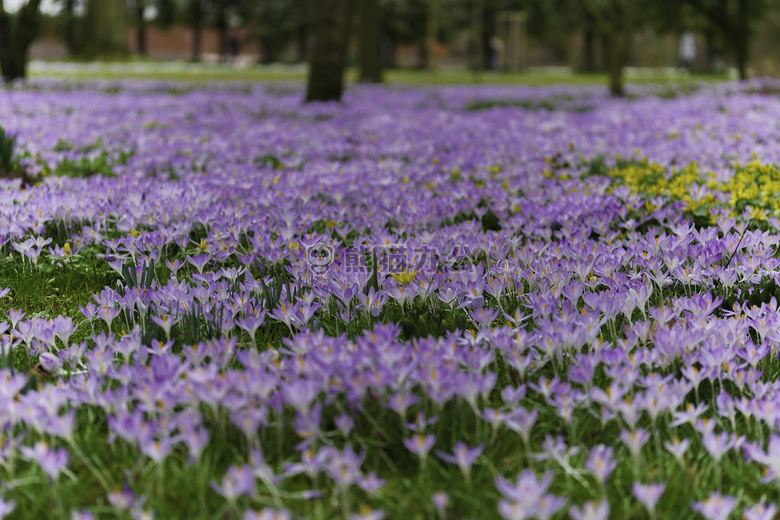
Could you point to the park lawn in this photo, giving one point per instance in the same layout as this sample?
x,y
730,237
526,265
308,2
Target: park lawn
x,y
184,72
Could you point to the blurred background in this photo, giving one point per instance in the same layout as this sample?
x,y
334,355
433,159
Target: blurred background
x,y
559,38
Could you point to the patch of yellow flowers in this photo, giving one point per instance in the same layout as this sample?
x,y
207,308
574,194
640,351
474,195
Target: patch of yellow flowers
x,y
754,184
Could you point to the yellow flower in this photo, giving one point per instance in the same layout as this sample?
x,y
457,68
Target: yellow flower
x,y
404,277
67,248
134,233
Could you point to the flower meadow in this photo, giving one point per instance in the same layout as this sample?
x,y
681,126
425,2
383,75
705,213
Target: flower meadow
x,y
460,302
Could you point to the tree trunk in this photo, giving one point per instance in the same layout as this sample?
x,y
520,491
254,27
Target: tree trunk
x,y
741,55
302,18
431,34
742,39
326,75
709,49
616,23
222,29
196,45
70,26
616,59
268,46
14,65
140,7
302,43
422,54
15,39
589,50
196,14
477,39
370,60
105,29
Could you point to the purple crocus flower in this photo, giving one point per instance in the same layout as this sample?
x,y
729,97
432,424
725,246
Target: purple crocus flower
x,y
549,505
440,500
52,462
6,507
521,421
15,316
716,506
155,449
342,466
165,322
769,457
267,514
760,511
420,445
718,445
251,323
528,497
369,514
648,494
239,480
591,510
300,393
688,416
344,424
122,498
371,484
634,441
601,463
463,457
555,448
199,261
677,447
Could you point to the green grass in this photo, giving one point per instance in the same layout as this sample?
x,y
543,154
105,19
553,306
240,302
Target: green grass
x,y
53,290
455,76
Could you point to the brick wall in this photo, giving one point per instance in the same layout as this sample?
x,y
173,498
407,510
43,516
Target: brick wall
x,y
174,43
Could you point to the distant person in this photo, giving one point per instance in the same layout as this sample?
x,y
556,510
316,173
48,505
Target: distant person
x,y
688,50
